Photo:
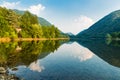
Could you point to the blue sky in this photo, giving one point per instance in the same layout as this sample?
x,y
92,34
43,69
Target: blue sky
x,y
68,15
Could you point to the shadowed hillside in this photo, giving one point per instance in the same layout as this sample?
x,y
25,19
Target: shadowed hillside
x,y
108,24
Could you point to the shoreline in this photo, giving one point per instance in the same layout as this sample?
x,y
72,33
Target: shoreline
x,y
30,39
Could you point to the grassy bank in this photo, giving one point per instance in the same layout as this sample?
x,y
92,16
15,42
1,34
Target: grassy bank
x,y
5,39
30,39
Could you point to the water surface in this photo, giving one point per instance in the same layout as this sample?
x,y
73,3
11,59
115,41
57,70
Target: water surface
x,y
59,60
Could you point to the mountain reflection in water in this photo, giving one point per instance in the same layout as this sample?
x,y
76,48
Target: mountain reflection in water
x,y
108,52
61,60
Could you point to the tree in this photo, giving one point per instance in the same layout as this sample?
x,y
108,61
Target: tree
x,y
28,19
27,24
12,18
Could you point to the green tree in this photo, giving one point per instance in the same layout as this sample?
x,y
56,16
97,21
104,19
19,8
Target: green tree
x,y
28,19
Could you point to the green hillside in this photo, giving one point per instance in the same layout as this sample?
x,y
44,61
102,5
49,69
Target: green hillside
x,y
41,20
23,24
44,22
107,25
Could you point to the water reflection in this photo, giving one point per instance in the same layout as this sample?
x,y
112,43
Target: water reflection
x,y
35,66
115,43
108,52
79,52
57,60
24,53
71,62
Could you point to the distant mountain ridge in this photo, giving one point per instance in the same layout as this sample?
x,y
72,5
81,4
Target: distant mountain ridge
x,y
41,20
71,35
108,24
44,22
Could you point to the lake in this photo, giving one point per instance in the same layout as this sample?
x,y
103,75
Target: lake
x,y
62,60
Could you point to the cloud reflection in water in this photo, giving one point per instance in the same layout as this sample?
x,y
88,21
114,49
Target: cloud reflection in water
x,y
81,52
35,66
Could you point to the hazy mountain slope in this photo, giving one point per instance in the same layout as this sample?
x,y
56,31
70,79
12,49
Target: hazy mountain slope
x,y
71,35
108,24
41,20
44,22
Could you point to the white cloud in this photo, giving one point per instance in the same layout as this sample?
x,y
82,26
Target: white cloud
x,y
36,9
82,23
9,5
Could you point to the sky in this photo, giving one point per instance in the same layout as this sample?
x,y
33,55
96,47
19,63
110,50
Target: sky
x,y
68,15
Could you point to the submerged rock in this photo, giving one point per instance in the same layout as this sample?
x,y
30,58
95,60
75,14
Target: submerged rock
x,y
8,77
4,74
14,69
2,70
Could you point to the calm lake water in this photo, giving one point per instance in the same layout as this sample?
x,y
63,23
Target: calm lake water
x,y
61,60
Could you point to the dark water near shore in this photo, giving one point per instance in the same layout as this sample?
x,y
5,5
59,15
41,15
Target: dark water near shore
x,y
62,60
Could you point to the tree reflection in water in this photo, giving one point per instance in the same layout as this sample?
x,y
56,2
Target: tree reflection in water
x,y
23,53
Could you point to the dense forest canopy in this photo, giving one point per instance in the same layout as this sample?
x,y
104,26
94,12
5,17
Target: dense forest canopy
x,y
25,25
108,24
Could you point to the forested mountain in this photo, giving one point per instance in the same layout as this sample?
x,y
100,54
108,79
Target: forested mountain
x,y
107,25
23,24
71,35
44,22
41,20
